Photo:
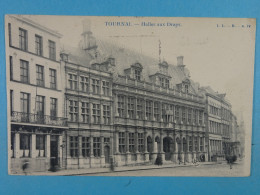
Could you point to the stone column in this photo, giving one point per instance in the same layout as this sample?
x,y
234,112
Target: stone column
x,y
146,153
17,145
80,146
161,146
33,146
188,149
154,151
60,148
91,159
138,155
128,154
102,150
175,152
48,146
193,148
48,150
80,151
115,146
182,152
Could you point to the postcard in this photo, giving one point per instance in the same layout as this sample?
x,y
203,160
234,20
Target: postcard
x,y
129,96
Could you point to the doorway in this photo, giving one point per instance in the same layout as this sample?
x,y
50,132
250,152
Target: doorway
x,y
54,150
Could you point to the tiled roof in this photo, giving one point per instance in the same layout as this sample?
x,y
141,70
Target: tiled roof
x,y
125,57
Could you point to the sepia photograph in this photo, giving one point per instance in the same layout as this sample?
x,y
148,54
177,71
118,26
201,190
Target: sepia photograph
x,y
129,96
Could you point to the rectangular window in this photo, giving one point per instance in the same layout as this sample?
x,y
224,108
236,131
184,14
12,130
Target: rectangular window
x,y
40,105
10,34
162,82
183,114
121,142
189,115
85,112
140,142
131,107
85,146
23,39
73,110
148,111
156,111
73,81
139,108
11,101
95,86
105,88
177,113
195,116
201,144
53,79
25,142
196,143
96,146
138,75
121,105
74,146
84,84
40,75
53,108
40,142
96,113
24,102
186,88
11,67
24,71
131,142
38,45
106,140
52,50
200,117
190,144
106,114
167,83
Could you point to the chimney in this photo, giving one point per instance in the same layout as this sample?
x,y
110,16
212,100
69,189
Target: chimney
x,y
89,41
180,60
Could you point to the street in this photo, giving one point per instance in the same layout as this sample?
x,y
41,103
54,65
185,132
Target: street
x,y
200,170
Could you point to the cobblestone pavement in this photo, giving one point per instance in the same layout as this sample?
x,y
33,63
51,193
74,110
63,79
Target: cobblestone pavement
x,y
222,169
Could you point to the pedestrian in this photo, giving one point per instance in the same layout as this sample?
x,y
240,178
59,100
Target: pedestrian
x,y
25,166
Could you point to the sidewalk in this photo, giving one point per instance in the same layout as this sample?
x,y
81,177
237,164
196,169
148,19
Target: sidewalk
x,y
118,169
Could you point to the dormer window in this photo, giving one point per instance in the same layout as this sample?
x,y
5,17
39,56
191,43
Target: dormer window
x,y
186,88
164,82
134,72
137,75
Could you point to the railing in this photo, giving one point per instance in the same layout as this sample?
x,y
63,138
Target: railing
x,y
22,117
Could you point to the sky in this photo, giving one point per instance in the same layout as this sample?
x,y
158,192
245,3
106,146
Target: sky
x,y
220,57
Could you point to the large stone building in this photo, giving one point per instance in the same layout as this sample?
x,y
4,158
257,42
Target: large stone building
x,y
221,124
117,104
34,89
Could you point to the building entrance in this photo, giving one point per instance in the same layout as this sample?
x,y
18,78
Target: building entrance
x,y
54,151
167,147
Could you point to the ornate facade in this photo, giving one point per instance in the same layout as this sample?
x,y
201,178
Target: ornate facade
x,y
118,105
